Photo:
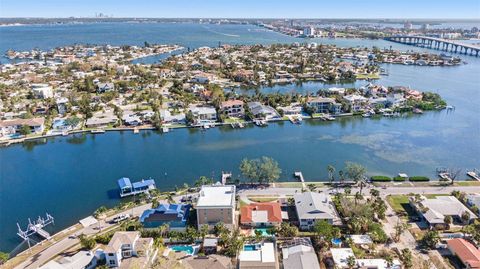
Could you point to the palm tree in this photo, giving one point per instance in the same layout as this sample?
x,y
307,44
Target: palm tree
x,y
331,173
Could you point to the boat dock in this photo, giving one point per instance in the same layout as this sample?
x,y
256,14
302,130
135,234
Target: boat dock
x,y
36,227
226,176
127,188
299,176
475,174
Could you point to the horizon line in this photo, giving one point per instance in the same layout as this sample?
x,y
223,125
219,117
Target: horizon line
x,y
248,18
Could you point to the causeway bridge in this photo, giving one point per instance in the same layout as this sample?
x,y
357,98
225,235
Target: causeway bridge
x,y
437,43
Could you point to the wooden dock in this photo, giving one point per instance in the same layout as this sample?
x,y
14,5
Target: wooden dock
x,y
299,176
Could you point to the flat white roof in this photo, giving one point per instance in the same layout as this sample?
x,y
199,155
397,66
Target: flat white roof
x,y
340,256
216,196
378,263
265,254
90,220
260,216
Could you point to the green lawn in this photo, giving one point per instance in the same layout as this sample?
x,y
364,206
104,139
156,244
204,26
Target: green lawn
x,y
400,204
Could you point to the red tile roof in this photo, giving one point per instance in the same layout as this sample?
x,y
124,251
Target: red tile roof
x,y
273,210
465,251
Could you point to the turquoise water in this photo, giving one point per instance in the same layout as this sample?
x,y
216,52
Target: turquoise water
x,y
69,177
187,249
264,231
250,247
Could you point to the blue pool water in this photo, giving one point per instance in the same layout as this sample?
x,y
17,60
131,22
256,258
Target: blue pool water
x,y
264,231
250,247
187,249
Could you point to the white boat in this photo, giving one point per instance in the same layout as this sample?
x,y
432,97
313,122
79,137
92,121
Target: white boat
x,y
64,133
366,115
165,130
97,131
136,131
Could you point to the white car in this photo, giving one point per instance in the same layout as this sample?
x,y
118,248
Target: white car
x,y
120,218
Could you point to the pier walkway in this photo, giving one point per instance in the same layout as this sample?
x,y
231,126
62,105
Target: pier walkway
x,y
436,43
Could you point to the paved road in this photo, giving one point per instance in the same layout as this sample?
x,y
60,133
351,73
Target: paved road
x,y
61,246
391,190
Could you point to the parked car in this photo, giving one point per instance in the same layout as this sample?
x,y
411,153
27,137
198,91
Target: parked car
x,y
120,218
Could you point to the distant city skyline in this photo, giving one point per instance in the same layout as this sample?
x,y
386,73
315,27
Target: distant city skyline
x,y
371,9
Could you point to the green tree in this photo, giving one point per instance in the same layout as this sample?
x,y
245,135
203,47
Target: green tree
x,y
448,220
287,230
356,172
430,239
157,120
399,228
203,231
331,173
407,258
264,170
466,217
25,130
87,243
351,262
3,257
325,230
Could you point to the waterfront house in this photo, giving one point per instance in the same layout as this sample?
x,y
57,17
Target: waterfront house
x,y
42,91
473,200
216,203
434,210
312,206
101,119
233,108
127,250
340,257
82,259
299,253
324,105
395,99
127,188
356,102
258,256
261,111
61,105
175,215
207,262
132,119
203,114
467,253
12,127
261,214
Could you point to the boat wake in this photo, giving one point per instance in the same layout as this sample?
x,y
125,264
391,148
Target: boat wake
x,y
220,33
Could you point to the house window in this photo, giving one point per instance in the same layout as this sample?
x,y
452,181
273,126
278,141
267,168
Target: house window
x,y
112,262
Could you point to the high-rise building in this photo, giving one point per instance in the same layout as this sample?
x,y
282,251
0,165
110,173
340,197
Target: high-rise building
x,y
408,25
309,31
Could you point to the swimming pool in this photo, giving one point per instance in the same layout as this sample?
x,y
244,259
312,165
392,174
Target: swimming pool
x,y
265,231
251,247
190,250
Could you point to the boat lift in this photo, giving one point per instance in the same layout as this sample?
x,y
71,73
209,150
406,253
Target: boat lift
x,y
36,227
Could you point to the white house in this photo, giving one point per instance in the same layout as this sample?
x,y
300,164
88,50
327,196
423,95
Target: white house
x,y
127,249
203,114
42,91
11,127
355,101
312,206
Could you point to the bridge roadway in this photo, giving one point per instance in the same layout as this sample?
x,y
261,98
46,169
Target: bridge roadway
x,y
437,43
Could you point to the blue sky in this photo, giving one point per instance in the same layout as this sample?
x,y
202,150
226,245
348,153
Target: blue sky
x,y
244,8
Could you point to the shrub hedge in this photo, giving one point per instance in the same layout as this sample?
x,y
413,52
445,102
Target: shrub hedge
x,y
380,179
399,179
419,178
